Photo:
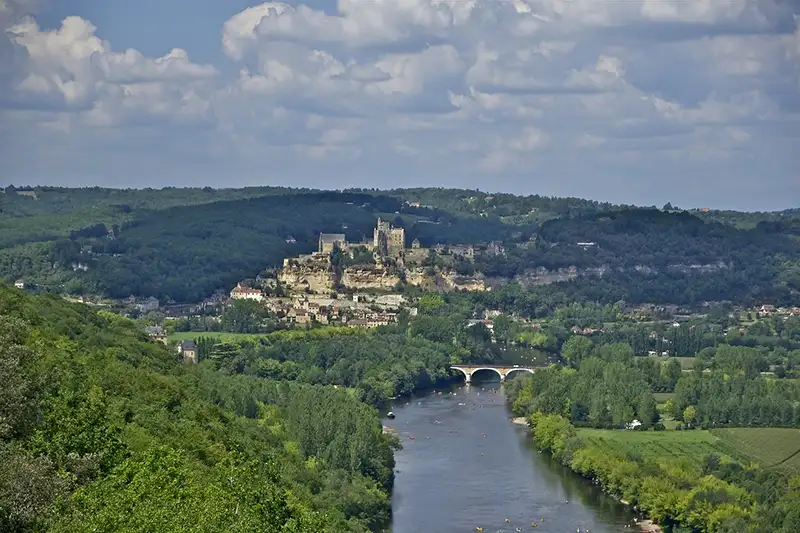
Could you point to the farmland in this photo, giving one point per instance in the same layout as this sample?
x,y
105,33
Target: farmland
x,y
692,445
771,447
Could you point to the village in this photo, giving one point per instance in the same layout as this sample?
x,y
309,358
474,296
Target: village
x,y
362,285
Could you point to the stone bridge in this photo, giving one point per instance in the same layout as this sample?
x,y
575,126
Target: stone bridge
x,y
500,370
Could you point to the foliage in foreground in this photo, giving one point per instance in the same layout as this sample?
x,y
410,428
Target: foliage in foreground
x,y
101,429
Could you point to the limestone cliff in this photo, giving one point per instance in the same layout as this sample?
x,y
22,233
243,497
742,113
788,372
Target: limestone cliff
x,y
366,278
453,281
314,276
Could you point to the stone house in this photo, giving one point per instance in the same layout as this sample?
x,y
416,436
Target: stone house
x,y
150,304
156,333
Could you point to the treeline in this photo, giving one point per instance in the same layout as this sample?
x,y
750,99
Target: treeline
x,y
653,256
103,430
606,390
377,365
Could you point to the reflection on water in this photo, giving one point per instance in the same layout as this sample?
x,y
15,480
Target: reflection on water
x,y
469,466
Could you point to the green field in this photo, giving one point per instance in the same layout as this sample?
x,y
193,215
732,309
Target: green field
x,y
662,397
282,335
691,445
223,337
771,447
687,363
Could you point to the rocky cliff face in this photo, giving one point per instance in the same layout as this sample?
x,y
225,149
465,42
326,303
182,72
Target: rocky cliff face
x,y
302,278
417,277
453,281
366,278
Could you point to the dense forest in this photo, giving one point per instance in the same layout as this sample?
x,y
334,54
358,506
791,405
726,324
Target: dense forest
x,y
102,429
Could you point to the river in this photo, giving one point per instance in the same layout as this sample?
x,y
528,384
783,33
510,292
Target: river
x,y
451,478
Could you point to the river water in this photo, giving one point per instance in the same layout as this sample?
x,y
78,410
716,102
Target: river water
x,y
451,478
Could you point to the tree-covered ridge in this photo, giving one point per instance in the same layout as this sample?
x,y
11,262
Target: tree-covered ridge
x,y
511,207
101,429
183,249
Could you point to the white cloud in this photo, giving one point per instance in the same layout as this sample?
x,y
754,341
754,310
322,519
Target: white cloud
x,y
443,91
71,69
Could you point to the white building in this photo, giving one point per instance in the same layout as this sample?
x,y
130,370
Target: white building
x,y
241,292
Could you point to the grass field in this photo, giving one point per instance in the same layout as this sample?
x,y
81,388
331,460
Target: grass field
x,y
771,447
691,445
223,337
286,335
687,363
662,397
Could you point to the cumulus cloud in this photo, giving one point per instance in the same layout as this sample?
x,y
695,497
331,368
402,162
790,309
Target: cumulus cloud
x,y
71,69
458,90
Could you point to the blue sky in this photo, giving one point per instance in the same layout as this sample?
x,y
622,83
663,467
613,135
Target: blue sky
x,y
637,101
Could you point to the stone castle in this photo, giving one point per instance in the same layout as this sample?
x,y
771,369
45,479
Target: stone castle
x,y
387,240
394,264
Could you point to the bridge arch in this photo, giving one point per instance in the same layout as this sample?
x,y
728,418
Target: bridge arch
x,y
519,369
495,370
467,374
469,371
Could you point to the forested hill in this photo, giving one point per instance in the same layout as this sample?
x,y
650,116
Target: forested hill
x,y
183,244
102,430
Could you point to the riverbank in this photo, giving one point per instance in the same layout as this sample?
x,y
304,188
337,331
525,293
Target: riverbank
x,y
463,465
648,526
645,526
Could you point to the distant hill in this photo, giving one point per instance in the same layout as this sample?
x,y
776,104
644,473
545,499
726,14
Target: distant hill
x,y
183,244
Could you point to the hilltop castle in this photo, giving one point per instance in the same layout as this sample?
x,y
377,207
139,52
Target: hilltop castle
x,y
386,240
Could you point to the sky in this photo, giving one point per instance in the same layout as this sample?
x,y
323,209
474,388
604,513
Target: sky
x,y
693,102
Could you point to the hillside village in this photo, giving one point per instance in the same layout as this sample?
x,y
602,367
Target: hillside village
x,y
360,283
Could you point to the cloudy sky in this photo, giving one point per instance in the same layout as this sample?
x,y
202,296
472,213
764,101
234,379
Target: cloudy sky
x,y
696,102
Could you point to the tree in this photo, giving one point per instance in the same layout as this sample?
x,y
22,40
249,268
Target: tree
x,y
243,316
672,373
502,328
576,349
689,415
646,410
19,388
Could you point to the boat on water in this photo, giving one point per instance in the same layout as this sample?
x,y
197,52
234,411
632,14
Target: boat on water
x,y
390,415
